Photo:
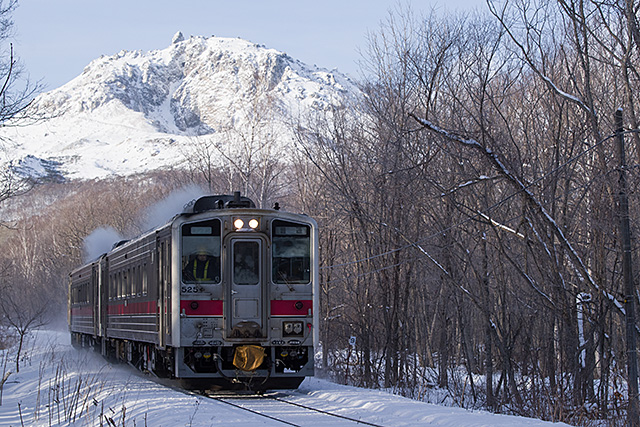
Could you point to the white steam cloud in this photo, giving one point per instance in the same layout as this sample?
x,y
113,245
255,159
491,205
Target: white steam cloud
x,y
100,240
161,212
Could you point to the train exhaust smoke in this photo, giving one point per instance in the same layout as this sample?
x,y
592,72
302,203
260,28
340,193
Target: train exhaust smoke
x,y
100,241
161,212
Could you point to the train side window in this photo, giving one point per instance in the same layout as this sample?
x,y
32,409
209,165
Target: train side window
x,y
144,279
126,276
120,285
201,252
132,280
137,287
291,252
124,284
129,282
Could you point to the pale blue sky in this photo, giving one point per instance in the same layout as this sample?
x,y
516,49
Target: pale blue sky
x,y
56,39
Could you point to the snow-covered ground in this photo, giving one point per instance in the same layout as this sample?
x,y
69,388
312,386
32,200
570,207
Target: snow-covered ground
x,y
60,386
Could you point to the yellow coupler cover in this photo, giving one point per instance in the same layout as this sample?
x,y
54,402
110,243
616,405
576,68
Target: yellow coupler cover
x,y
248,357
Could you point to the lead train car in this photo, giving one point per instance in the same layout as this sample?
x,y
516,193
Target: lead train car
x,y
223,296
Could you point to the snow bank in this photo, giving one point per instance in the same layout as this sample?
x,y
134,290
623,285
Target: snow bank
x,y
60,386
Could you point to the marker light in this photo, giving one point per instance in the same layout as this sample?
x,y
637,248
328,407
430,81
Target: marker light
x,y
253,223
238,223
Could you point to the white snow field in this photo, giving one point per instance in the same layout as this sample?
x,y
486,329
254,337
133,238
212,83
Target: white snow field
x,y
60,386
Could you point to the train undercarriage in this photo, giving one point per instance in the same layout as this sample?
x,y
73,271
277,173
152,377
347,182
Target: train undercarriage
x,y
206,368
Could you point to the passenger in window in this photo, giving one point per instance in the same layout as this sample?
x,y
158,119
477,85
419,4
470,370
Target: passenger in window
x,y
202,268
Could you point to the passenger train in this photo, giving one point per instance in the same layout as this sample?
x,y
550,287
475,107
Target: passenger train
x,y
223,296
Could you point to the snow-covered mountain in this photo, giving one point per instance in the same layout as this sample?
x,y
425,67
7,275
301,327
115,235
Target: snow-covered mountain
x,y
137,111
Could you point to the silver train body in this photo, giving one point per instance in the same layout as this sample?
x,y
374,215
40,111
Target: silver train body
x,y
223,296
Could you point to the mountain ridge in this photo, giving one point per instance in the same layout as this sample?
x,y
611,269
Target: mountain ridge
x,y
134,111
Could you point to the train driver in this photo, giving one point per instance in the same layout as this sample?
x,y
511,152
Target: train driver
x,y
202,268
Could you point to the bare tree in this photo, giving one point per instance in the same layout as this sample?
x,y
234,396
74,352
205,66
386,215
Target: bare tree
x,y
16,96
24,308
481,240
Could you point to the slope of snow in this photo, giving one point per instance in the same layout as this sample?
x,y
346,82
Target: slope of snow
x,y
59,386
131,112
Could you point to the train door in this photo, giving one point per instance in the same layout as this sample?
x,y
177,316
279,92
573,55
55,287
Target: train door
x,y
246,309
94,297
166,284
103,295
160,314
164,291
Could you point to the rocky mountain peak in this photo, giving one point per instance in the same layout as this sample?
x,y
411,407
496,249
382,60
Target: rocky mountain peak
x,y
144,100
177,38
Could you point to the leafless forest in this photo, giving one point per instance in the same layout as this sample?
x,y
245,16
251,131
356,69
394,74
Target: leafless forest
x,y
468,204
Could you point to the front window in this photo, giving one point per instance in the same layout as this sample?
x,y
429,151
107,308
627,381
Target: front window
x,y
201,252
291,251
246,262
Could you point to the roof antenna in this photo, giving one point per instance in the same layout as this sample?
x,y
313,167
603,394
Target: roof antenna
x,y
276,206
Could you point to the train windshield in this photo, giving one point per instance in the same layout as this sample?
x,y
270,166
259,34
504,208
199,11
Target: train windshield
x,y
201,252
291,252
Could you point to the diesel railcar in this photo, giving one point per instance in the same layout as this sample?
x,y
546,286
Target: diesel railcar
x,y
222,296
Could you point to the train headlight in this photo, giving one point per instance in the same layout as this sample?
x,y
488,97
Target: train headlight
x,y
292,328
241,224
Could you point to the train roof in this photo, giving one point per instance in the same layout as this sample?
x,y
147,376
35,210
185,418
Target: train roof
x,y
196,206
220,201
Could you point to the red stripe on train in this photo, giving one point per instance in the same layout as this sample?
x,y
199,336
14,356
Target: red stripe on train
x,y
146,307
201,307
291,307
82,311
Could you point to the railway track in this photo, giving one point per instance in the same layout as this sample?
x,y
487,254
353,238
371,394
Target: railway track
x,y
276,406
